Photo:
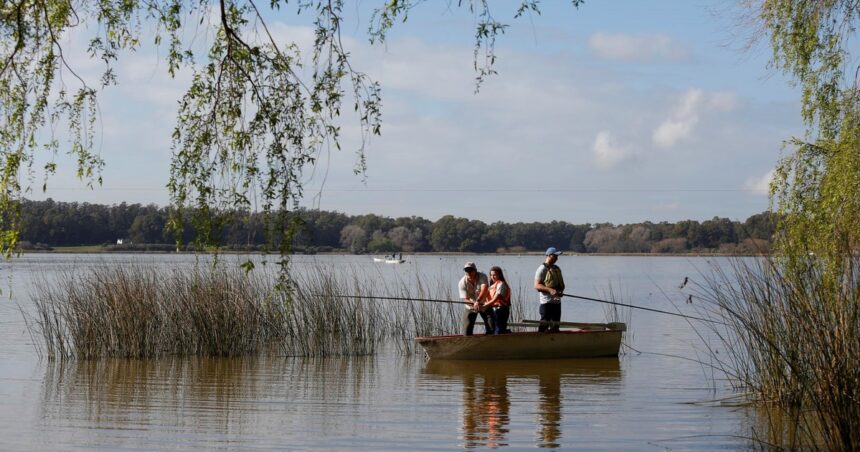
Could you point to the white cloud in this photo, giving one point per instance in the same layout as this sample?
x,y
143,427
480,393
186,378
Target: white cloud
x,y
673,130
645,47
608,153
759,185
684,118
722,101
681,122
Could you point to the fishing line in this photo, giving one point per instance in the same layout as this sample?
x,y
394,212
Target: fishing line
x,y
642,308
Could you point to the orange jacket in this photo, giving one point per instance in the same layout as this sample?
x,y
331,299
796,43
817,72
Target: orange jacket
x,y
505,299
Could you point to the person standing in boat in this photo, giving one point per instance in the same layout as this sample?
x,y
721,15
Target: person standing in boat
x,y
550,285
499,301
474,292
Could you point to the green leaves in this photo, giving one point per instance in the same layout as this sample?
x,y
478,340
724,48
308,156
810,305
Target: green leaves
x,y
34,93
816,184
249,125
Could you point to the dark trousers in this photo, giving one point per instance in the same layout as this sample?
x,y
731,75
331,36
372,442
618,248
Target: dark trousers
x,y
469,322
549,312
500,319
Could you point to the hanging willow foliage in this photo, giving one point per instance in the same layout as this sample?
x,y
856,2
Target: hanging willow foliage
x,y
252,120
816,184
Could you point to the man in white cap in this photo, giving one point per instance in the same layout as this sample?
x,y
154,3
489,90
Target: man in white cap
x,y
474,291
550,285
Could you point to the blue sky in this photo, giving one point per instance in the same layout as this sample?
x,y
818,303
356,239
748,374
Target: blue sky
x,y
619,111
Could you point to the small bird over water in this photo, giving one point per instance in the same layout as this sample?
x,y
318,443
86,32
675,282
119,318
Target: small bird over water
x,y
684,283
689,299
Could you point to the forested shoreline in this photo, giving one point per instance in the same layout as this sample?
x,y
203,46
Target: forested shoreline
x,y
49,224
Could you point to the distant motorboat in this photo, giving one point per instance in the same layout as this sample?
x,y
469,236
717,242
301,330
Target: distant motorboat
x,y
390,259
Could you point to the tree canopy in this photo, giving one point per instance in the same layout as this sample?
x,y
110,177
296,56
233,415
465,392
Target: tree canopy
x,y
48,224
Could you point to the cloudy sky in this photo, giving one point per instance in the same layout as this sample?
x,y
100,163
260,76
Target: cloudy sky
x,y
619,111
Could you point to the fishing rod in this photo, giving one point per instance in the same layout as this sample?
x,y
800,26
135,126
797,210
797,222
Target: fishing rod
x,y
641,307
431,300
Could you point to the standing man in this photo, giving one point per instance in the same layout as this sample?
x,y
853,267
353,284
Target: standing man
x,y
550,285
474,291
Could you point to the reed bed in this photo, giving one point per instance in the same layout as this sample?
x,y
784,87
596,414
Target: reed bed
x,y
138,311
791,340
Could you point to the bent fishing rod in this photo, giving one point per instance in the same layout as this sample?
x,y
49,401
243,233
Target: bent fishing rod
x,y
642,308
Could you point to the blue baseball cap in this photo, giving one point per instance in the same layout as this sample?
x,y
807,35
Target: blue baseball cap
x,y
552,250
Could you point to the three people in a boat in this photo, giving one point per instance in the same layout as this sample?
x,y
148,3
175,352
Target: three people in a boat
x,y
491,298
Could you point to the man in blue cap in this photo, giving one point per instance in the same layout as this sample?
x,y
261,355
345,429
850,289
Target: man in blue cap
x,y
550,285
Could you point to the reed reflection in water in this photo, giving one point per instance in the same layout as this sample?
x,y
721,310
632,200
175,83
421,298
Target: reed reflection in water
x,y
487,385
204,402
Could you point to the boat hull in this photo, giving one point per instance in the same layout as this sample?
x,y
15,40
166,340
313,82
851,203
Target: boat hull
x,y
532,345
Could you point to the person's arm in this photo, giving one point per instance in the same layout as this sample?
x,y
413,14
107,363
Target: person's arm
x,y
483,296
464,295
483,292
561,290
497,296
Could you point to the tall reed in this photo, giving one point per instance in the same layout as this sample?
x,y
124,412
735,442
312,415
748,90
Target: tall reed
x,y
792,340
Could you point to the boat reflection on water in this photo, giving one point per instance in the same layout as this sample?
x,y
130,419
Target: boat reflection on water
x,y
486,394
486,411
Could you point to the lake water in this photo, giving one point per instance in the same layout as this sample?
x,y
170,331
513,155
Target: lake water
x,y
656,397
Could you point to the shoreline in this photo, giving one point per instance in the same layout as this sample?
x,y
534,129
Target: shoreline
x,y
98,249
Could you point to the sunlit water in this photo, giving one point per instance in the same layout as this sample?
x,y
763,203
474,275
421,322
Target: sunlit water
x,y
661,398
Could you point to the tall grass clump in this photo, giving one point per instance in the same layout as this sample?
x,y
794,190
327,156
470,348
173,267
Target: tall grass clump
x,y
146,311
137,311
791,339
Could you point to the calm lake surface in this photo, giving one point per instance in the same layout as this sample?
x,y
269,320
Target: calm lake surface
x,y
661,398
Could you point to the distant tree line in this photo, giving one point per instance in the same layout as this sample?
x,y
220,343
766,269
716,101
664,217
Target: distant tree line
x,y
50,223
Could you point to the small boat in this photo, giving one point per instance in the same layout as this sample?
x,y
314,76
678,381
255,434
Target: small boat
x,y
394,259
390,259
584,340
